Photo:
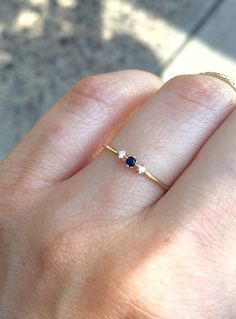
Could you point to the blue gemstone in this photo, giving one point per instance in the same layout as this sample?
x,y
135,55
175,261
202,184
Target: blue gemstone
x,y
131,161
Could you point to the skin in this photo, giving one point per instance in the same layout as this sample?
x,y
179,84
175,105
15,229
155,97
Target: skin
x,y
81,236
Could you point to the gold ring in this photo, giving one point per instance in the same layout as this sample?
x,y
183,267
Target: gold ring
x,y
222,77
132,162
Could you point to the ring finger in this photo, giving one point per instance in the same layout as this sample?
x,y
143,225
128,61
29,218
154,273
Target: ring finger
x,y
165,136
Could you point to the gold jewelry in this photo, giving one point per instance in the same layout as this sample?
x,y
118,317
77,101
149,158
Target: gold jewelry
x,y
222,77
132,162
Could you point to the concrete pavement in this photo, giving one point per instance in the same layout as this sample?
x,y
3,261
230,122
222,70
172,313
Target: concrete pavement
x,y
47,45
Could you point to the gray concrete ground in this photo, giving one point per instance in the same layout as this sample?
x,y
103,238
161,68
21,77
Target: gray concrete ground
x,y
47,45
213,47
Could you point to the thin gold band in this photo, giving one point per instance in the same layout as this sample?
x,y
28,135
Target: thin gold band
x,y
221,77
140,167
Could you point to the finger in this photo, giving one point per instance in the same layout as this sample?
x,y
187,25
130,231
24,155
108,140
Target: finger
x,y
204,197
72,132
195,224
166,135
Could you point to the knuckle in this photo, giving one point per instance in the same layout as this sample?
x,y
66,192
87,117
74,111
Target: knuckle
x,y
105,89
201,90
91,93
97,88
96,95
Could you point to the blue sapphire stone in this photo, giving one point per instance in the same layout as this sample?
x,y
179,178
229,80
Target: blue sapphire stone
x,y
131,161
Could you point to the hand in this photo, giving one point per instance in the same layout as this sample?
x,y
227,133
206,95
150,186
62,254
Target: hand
x,y
82,236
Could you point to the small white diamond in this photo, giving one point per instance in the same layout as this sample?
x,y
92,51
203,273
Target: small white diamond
x,y
141,169
121,154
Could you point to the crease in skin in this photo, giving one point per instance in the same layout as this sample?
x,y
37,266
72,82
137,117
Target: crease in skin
x,y
221,77
135,308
